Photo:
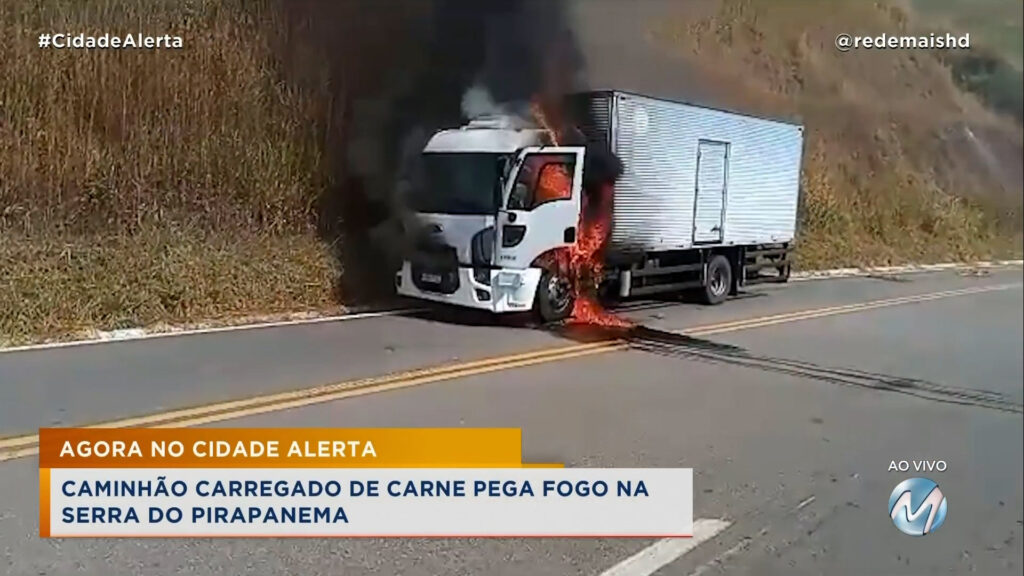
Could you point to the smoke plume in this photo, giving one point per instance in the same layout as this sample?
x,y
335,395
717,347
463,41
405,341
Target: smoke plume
x,y
391,72
477,102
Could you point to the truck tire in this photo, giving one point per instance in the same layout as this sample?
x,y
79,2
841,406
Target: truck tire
x,y
554,297
718,282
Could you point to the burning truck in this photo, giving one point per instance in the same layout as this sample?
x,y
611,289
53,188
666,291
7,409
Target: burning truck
x,y
513,216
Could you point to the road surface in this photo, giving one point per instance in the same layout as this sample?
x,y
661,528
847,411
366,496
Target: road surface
x,y
789,403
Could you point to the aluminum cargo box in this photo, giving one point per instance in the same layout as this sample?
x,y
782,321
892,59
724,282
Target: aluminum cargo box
x,y
695,176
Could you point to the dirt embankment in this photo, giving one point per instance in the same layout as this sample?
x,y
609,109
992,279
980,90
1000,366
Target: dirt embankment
x,y
249,171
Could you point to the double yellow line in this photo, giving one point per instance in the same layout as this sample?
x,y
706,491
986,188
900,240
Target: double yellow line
x,y
28,445
847,309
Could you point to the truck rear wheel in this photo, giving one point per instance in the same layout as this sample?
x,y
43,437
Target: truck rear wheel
x,y
718,282
554,297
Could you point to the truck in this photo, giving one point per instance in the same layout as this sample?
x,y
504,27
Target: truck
x,y
706,202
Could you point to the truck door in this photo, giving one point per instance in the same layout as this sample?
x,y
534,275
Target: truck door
x,y
709,201
542,205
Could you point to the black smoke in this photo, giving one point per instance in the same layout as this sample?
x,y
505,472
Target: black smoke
x,y
387,74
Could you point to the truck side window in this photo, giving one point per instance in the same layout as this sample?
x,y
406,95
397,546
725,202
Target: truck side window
x,y
542,178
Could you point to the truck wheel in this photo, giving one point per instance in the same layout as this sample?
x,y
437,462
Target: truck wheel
x,y
719,280
784,272
554,297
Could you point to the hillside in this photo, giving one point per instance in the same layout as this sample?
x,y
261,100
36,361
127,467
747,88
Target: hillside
x,y
143,187
900,164
999,24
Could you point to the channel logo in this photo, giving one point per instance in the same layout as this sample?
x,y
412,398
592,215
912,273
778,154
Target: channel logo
x,y
917,506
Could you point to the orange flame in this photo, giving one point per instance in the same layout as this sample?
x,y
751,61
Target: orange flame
x,y
587,264
583,261
554,183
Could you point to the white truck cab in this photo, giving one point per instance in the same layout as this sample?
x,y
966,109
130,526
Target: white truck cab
x,y
482,224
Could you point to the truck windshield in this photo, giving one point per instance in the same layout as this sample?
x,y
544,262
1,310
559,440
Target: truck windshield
x,y
458,183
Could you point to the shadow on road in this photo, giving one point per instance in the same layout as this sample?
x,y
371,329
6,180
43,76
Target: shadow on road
x,y
469,317
437,312
676,345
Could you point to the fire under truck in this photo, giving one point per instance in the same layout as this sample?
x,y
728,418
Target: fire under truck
x,y
706,202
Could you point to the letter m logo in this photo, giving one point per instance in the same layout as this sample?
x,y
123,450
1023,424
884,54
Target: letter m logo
x,y
929,513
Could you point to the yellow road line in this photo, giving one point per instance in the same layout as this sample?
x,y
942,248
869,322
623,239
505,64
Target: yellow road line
x,y
22,446
837,310
28,445
319,391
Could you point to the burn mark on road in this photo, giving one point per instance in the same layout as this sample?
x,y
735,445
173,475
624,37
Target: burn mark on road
x,y
676,345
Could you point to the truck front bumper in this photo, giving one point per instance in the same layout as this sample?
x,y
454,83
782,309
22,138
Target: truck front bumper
x,y
509,290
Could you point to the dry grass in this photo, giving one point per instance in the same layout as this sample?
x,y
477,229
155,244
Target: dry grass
x,y
140,185
53,288
114,139
889,173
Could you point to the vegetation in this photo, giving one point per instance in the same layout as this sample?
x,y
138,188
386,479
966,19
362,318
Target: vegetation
x,y
992,78
996,24
894,167
992,68
139,187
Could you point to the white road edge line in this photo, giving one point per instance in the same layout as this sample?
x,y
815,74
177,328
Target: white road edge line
x,y
664,552
148,333
722,558
143,334
808,275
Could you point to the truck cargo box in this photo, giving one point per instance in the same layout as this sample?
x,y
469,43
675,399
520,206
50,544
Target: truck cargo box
x,y
694,176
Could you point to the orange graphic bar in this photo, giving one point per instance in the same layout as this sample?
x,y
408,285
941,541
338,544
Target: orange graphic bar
x,y
280,448
44,502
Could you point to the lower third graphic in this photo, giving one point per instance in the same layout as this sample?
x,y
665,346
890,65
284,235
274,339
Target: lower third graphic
x,y
917,506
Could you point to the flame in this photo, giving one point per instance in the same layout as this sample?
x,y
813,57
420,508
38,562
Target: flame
x,y
583,262
587,263
554,183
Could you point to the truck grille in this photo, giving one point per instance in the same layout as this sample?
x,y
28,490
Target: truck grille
x,y
435,268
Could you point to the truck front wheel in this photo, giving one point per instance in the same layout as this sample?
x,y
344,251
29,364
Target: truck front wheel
x,y
554,297
718,281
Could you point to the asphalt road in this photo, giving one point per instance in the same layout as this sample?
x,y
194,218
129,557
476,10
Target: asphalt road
x,y
790,423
